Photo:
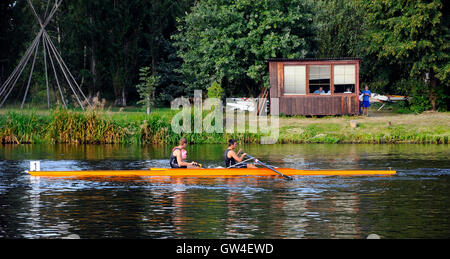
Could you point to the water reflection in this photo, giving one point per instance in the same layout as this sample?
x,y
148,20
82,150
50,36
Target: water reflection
x,y
298,156
412,204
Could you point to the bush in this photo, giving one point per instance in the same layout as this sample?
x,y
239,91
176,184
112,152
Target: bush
x,y
215,91
417,90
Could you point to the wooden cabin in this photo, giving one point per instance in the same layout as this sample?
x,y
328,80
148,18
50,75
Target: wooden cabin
x,y
296,82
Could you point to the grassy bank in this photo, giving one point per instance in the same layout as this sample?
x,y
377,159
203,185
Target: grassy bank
x,y
431,128
100,127
104,127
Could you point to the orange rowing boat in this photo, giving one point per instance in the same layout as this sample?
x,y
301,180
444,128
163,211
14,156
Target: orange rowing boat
x,y
198,172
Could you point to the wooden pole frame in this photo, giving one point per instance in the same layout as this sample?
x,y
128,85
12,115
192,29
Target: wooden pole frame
x,y
50,52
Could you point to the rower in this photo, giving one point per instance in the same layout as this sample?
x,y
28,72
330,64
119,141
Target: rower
x,y
179,154
234,160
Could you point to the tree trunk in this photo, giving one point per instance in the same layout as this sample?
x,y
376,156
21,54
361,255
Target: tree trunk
x,y
58,30
124,98
119,88
92,89
249,89
93,74
1,75
84,66
433,89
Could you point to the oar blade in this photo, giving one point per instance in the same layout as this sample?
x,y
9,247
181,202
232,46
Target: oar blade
x,y
270,167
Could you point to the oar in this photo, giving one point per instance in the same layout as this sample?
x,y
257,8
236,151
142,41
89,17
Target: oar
x,y
239,163
270,167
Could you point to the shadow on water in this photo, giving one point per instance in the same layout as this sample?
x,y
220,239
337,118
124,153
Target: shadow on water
x,y
411,204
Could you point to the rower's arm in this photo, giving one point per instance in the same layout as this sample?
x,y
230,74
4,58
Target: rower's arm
x,y
180,161
233,155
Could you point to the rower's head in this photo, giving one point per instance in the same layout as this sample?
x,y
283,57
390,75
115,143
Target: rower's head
x,y
182,143
232,143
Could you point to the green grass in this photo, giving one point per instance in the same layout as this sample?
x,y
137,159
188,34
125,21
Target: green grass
x,y
369,132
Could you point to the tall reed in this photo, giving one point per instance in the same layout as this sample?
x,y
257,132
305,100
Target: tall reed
x,y
98,127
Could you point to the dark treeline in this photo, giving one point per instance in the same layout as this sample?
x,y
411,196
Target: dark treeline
x,y
188,44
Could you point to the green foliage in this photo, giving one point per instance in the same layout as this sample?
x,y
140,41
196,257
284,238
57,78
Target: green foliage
x,y
190,44
147,87
412,36
339,29
228,41
103,42
215,91
405,31
417,90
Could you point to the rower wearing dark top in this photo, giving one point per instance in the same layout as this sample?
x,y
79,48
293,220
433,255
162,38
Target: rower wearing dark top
x,y
179,154
231,158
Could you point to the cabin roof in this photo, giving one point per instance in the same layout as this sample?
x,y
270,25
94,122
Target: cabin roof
x,y
311,59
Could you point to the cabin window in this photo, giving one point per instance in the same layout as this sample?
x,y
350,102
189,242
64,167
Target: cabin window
x,y
319,79
294,79
344,78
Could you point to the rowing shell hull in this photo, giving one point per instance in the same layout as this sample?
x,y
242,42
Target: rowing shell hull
x,y
208,172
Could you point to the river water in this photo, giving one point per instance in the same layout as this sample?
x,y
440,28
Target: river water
x,y
412,204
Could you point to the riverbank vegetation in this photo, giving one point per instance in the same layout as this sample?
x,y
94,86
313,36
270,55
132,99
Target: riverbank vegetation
x,y
190,44
221,48
108,127
102,127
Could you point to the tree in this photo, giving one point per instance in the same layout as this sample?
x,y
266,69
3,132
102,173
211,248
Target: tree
x,y
104,42
339,28
228,41
146,88
156,47
16,35
107,41
215,91
414,36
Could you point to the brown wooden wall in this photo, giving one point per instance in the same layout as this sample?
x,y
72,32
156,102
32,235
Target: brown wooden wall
x,y
319,105
312,104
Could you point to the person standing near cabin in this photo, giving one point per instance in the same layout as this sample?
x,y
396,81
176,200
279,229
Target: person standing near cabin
x,y
231,158
179,155
319,91
366,96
